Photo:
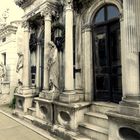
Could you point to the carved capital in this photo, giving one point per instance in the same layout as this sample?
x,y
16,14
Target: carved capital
x,y
25,25
86,27
69,4
48,12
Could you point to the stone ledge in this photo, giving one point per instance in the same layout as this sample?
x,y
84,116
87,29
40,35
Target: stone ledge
x,y
43,100
122,116
94,128
73,105
69,97
24,96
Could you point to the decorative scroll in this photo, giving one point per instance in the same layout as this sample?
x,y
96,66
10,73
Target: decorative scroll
x,y
132,24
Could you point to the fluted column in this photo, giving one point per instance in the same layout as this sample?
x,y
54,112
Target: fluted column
x,y
132,48
26,63
47,38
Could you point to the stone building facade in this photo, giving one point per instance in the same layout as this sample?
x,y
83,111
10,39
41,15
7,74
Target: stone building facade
x,y
8,61
81,68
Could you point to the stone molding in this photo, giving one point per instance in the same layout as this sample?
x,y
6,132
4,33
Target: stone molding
x,y
25,25
9,29
68,4
47,12
45,9
23,3
86,27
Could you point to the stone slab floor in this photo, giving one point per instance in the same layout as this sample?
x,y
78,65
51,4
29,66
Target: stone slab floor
x,y
12,130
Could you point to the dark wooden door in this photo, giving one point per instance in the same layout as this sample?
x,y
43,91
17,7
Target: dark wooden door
x,y
107,62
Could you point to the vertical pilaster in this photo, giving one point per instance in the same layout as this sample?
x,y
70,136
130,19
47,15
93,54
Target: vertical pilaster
x,y
88,62
132,48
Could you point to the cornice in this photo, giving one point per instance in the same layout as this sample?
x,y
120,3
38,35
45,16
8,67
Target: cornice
x,y
45,7
9,29
23,3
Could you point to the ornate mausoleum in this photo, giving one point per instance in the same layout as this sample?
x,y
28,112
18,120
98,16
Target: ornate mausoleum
x,y
80,76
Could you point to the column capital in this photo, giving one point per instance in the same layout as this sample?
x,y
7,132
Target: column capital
x,y
25,25
47,13
87,28
68,4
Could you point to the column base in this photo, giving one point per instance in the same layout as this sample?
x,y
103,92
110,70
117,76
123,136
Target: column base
x,y
69,97
45,94
27,91
130,105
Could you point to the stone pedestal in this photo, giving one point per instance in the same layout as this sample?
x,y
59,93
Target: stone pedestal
x,y
68,116
5,96
49,96
69,97
23,102
123,127
44,110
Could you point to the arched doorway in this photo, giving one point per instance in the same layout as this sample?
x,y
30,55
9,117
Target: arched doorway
x,y
107,55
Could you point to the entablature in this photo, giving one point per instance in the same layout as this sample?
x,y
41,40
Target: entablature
x,y
9,29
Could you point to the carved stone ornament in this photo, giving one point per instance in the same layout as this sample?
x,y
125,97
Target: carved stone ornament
x,y
25,24
69,3
23,3
48,12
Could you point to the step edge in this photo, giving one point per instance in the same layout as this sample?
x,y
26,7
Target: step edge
x,y
94,114
102,130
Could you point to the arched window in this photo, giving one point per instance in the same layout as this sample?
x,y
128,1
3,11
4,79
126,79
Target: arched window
x,y
106,13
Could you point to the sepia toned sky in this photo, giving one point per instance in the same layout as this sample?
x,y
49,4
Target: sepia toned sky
x,y
15,12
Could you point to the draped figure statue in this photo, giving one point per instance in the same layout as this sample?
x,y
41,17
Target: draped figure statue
x,y
53,68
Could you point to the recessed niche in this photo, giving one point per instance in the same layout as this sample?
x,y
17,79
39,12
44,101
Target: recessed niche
x,y
65,116
128,133
44,110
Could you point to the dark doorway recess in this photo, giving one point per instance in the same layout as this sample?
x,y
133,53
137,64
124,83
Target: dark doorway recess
x,y
107,55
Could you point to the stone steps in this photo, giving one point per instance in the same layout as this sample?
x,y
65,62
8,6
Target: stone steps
x,y
31,119
93,131
32,111
81,137
96,119
103,107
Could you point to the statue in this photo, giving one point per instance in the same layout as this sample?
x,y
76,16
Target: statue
x,y
19,69
53,68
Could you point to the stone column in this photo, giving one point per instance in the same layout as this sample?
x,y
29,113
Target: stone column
x,y
47,38
26,63
87,62
68,95
132,48
38,67
69,82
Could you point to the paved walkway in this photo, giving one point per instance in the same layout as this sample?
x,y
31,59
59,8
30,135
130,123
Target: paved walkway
x,y
12,130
